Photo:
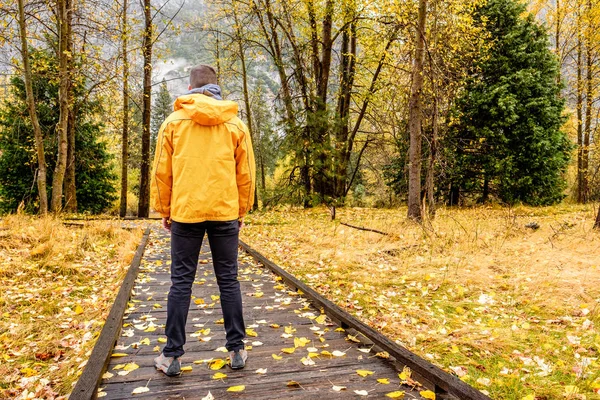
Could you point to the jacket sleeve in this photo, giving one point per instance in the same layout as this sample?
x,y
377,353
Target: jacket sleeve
x,y
245,172
162,175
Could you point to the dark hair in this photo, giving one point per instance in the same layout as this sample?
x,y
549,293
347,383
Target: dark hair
x,y
201,75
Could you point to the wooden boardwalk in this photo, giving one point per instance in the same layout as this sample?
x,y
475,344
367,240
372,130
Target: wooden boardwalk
x,y
294,350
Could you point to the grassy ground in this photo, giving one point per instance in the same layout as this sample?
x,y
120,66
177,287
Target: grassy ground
x,y
511,310
56,288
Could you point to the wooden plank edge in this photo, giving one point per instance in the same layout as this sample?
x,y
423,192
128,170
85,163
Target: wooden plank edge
x,y
87,384
438,377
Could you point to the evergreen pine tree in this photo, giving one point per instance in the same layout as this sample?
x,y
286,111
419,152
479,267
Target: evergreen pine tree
x,y
163,107
507,140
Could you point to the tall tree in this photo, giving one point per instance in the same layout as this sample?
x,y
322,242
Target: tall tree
x,y
581,176
239,39
508,138
125,122
589,94
63,11
37,131
144,200
415,118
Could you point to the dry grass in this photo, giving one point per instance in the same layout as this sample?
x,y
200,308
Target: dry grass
x,y
57,284
512,310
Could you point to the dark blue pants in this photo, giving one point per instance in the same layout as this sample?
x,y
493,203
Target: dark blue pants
x,y
186,240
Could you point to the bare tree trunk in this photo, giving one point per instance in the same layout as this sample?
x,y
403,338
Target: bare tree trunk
x,y
70,184
414,123
37,131
218,57
323,168
597,223
557,39
242,56
580,183
125,132
144,201
347,73
64,99
432,159
588,108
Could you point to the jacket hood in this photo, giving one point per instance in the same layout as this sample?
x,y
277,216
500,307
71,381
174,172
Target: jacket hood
x,y
206,110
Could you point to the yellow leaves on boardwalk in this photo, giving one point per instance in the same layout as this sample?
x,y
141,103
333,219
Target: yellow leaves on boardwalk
x,y
292,346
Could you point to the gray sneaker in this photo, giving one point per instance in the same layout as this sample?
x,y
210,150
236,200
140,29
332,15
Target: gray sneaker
x,y
238,359
169,365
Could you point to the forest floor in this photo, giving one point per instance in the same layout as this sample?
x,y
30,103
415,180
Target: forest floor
x,y
511,310
57,284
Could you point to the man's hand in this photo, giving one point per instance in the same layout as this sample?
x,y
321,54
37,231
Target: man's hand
x,y
166,223
241,223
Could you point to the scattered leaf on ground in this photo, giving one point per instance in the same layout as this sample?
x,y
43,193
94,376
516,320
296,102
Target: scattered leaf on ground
x,y
140,390
364,372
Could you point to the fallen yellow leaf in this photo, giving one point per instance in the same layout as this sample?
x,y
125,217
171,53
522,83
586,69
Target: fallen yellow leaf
x,y
28,372
398,394
364,372
251,332
301,342
405,374
131,367
428,394
351,338
219,375
217,364
289,330
239,388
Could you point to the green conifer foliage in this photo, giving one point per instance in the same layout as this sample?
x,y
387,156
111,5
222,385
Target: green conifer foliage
x,y
507,140
94,176
163,107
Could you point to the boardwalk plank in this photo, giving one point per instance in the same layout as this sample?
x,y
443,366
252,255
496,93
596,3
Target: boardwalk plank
x,y
266,301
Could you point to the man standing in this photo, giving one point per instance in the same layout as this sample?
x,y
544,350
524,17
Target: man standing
x,y
203,182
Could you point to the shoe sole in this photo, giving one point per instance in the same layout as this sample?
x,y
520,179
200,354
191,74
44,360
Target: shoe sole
x,y
164,370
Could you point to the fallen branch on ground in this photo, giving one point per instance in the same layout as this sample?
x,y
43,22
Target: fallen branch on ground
x,y
366,229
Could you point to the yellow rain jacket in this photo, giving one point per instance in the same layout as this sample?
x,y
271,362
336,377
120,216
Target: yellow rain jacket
x,y
204,163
